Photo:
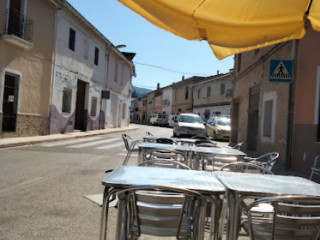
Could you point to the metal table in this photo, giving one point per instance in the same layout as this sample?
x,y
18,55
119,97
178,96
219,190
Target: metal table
x,y
241,185
182,141
126,176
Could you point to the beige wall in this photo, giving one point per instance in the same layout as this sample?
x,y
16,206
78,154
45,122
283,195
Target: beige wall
x,y
255,72
34,65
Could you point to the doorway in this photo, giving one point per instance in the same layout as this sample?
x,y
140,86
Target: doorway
x,y
80,102
253,118
10,102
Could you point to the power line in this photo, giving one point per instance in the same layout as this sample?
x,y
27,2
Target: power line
x,y
170,70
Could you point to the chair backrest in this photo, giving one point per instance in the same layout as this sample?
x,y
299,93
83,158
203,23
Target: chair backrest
x,y
164,163
205,142
244,168
149,133
126,139
238,146
160,211
294,217
266,160
172,155
166,141
198,137
210,145
315,169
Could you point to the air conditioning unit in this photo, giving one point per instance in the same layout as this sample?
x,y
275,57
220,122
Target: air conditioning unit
x,y
228,93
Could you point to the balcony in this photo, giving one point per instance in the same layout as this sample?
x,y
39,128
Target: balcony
x,y
18,29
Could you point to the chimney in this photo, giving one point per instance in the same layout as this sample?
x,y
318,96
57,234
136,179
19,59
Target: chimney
x,y
158,86
182,78
217,72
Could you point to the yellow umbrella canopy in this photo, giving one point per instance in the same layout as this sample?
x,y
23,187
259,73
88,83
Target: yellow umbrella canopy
x,y
231,26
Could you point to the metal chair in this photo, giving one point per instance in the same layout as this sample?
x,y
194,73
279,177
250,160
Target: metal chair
x,y
149,133
164,163
245,167
237,146
130,144
295,217
161,211
169,155
166,141
198,137
205,143
266,160
315,169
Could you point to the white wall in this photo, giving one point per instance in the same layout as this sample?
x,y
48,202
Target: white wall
x,y
167,95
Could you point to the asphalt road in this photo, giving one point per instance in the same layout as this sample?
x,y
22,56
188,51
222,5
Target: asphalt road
x,y
42,187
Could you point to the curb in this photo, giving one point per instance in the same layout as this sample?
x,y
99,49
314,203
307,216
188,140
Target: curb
x,y
50,138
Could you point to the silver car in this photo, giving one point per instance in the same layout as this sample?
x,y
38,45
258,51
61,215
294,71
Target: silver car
x,y
188,124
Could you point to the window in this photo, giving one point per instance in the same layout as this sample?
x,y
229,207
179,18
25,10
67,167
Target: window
x,y
187,93
208,91
85,49
267,123
72,39
94,101
96,56
222,88
66,100
199,92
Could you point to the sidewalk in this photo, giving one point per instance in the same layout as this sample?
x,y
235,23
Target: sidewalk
x,y
21,141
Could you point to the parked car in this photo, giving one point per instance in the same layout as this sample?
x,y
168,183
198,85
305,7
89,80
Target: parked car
x,y
159,119
171,120
189,124
219,127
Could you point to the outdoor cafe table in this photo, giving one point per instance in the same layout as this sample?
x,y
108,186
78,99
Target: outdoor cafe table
x,y
190,151
125,176
242,185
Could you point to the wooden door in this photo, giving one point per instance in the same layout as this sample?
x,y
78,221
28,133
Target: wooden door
x,y
80,111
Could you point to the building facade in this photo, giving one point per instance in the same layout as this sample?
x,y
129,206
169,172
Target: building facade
x,y
92,79
167,100
213,96
260,107
26,66
182,95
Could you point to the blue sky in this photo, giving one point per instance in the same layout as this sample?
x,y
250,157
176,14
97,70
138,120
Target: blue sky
x,y
152,45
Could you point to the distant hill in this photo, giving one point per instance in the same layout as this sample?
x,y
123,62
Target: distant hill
x,y
139,92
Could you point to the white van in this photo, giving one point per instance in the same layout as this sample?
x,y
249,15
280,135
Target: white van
x,y
159,119
171,120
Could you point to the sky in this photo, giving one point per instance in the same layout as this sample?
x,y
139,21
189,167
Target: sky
x,y
161,57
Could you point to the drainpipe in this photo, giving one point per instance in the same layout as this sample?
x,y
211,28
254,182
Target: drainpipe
x,y
291,99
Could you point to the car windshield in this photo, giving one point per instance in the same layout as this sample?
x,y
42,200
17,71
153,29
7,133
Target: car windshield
x,y
190,119
224,121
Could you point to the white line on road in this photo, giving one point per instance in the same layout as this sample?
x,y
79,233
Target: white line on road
x,y
62,143
21,184
95,143
111,146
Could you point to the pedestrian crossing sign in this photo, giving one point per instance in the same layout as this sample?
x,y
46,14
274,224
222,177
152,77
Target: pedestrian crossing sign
x,y
280,71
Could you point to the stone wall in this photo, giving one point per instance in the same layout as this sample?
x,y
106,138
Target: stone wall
x,y
27,125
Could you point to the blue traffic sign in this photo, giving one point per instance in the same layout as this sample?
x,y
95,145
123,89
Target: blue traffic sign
x,y
280,71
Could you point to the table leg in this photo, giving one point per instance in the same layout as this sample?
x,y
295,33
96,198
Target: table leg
x,y
104,214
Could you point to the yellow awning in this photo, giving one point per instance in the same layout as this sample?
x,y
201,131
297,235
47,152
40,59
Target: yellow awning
x,y
231,26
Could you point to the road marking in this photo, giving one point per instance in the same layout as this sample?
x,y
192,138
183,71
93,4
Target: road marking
x,y
61,143
21,184
95,143
111,146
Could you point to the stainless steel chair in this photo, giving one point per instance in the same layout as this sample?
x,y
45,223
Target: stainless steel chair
x,y
149,133
130,144
161,211
166,141
245,167
295,217
164,163
266,160
169,155
205,143
315,169
237,146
